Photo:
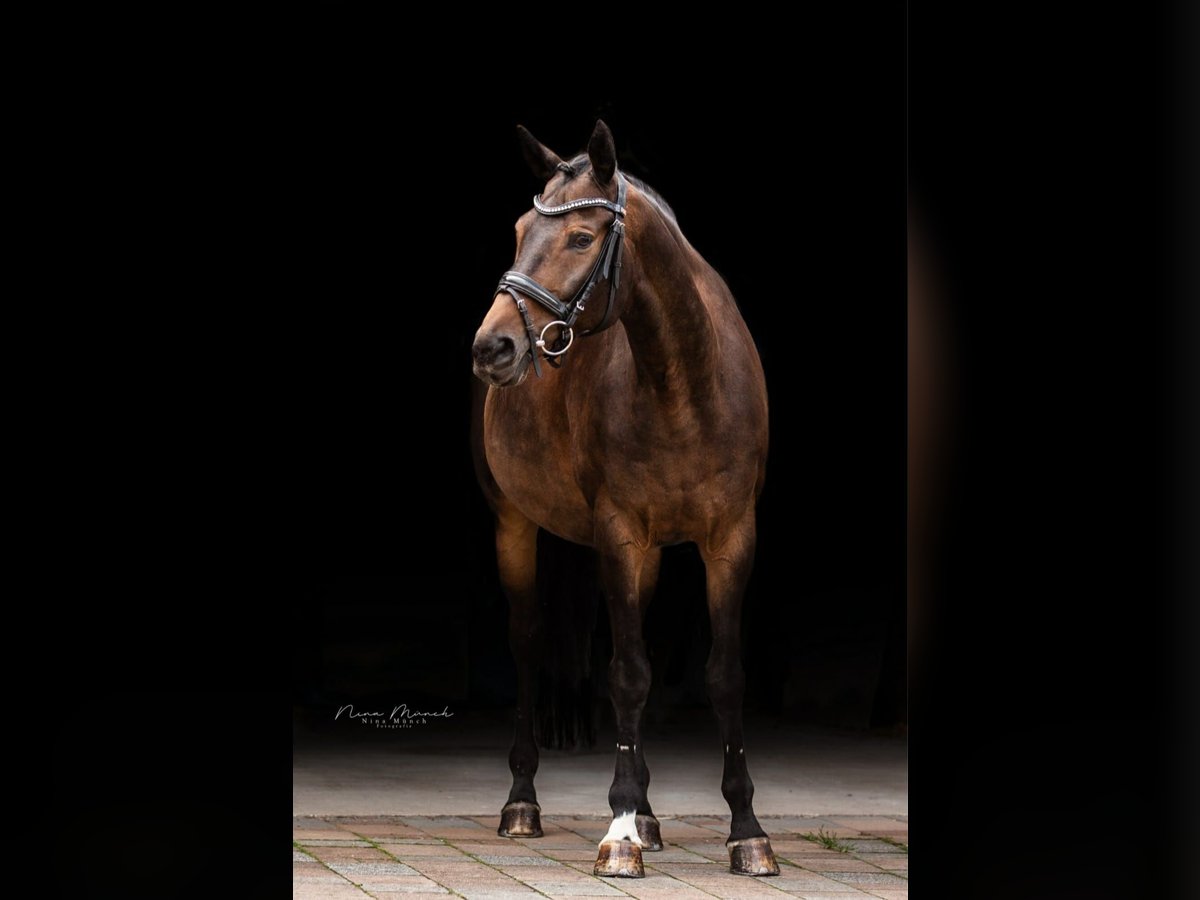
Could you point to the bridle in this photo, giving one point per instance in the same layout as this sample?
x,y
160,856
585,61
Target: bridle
x,y
607,265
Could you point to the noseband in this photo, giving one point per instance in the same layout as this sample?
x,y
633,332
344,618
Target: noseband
x,y
607,265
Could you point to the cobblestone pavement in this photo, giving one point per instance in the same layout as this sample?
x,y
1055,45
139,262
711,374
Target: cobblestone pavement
x,y
820,857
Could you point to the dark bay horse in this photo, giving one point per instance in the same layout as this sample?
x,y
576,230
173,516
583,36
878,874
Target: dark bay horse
x,y
651,431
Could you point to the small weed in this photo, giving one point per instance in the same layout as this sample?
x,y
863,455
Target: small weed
x,y
894,842
828,841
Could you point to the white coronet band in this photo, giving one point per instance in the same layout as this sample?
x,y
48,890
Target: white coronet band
x,y
623,828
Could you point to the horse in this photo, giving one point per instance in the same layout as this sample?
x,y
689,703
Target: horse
x,y
653,432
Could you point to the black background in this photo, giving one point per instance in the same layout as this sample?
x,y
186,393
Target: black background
x,y
383,470
231,432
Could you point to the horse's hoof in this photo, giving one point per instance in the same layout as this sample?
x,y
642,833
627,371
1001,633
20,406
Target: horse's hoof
x,y
622,859
647,827
752,856
520,818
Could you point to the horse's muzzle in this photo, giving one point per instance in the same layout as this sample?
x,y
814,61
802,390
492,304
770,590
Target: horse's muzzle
x,y
498,360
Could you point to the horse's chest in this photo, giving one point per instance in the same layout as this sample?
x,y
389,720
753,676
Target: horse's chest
x,y
556,477
533,467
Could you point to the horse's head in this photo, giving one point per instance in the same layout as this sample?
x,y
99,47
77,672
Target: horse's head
x,y
564,278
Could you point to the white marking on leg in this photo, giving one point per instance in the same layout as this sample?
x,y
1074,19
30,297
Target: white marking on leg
x,y
623,828
622,746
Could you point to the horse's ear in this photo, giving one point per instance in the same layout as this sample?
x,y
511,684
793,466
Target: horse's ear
x,y
603,153
541,159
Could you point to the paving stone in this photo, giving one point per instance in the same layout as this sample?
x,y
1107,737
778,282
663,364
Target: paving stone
x,y
798,842
456,861
574,854
365,820
464,835
399,850
323,876
661,887
492,822
517,861
558,841
736,887
504,851
466,874
412,885
355,871
436,866
675,830
563,874
375,832
534,874
795,824
311,823
864,823
481,885
676,854
720,823
895,834
591,835
346,854
427,822
876,879
712,843
869,845
335,836
690,867
807,881
432,856
344,891
592,887
716,852
842,864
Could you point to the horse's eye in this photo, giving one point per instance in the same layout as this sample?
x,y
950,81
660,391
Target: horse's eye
x,y
581,241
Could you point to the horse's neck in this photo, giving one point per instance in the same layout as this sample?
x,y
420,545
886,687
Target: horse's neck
x,y
670,330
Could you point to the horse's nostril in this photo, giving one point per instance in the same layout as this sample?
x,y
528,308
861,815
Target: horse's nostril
x,y
505,351
494,350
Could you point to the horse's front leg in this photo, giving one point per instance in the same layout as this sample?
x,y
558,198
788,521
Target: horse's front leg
x,y
727,566
628,575
516,556
647,823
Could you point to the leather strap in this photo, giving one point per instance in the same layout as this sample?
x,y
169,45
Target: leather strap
x,y
531,331
531,288
607,266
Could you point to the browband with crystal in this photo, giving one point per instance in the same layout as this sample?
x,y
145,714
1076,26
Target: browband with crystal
x,y
607,265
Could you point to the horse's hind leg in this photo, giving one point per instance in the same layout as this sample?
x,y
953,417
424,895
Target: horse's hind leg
x,y
728,566
628,575
516,556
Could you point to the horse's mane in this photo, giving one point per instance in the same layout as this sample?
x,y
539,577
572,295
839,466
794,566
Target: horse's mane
x,y
581,164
